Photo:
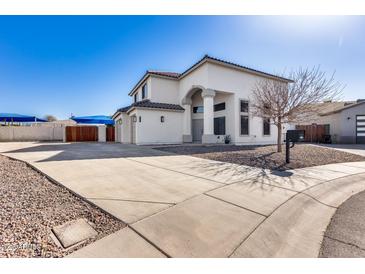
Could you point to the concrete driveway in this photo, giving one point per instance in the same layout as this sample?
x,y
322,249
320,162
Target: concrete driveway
x,y
182,206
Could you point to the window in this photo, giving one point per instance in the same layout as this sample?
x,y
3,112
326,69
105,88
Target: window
x,y
220,126
244,117
327,129
140,119
198,109
135,97
266,125
244,106
219,107
144,91
244,124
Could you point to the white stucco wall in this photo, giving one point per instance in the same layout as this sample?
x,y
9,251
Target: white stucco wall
x,y
164,90
102,133
197,77
28,133
347,121
139,90
231,85
123,128
240,83
151,131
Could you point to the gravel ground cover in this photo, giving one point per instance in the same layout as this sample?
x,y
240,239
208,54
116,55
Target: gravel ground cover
x,y
31,205
302,155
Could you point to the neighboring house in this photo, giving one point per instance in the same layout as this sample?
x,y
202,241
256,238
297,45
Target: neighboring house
x,y
344,121
208,101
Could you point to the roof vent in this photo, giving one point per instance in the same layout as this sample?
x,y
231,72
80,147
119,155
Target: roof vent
x,y
327,101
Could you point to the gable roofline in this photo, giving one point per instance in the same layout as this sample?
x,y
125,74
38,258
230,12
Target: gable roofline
x,y
160,74
343,108
206,58
214,60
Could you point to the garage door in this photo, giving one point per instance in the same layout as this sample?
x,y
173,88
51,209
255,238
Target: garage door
x,y
360,129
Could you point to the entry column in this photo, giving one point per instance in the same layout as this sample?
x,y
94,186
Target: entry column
x,y
208,102
187,138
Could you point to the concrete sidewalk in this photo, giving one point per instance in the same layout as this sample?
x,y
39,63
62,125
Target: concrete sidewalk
x,y
358,149
182,206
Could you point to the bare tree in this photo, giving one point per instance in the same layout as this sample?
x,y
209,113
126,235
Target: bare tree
x,y
50,118
284,102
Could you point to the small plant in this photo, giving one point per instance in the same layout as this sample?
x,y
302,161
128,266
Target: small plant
x,y
227,139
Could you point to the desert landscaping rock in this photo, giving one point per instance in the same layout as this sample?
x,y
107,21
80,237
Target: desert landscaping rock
x,y
302,155
31,205
74,232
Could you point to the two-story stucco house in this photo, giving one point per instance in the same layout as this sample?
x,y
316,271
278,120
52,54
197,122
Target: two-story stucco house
x,y
208,101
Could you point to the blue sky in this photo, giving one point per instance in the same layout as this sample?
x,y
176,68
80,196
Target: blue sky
x,y
86,65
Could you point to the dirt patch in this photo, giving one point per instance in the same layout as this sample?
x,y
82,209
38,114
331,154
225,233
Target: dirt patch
x,y
302,155
31,205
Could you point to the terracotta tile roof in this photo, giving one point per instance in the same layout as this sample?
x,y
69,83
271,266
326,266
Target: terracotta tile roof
x,y
124,109
149,104
207,57
177,76
164,73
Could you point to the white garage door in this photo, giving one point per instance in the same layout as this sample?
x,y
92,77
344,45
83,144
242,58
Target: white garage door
x,y
360,129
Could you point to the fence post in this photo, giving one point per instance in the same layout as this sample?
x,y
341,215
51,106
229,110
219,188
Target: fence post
x,y
101,133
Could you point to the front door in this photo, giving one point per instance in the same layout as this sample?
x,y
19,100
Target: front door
x,y
198,127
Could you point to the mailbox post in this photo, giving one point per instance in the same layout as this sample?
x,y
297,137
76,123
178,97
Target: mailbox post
x,y
292,136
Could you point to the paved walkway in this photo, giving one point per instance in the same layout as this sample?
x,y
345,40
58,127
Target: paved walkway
x,y
345,237
358,149
182,206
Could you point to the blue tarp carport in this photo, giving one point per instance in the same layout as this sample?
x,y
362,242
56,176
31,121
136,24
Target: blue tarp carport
x,y
96,119
13,117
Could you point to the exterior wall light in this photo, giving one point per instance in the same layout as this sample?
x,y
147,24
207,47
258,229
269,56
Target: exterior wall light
x,y
162,119
134,119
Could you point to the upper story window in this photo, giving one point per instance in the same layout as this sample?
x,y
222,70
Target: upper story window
x,y
244,121
135,97
220,106
244,106
266,125
198,109
144,91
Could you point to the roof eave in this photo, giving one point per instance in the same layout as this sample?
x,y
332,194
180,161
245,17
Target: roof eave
x,y
207,58
145,77
157,109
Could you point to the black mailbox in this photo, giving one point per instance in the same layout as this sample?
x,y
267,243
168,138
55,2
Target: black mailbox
x,y
295,135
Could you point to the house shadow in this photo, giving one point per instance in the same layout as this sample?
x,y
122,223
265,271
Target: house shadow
x,y
251,175
89,151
